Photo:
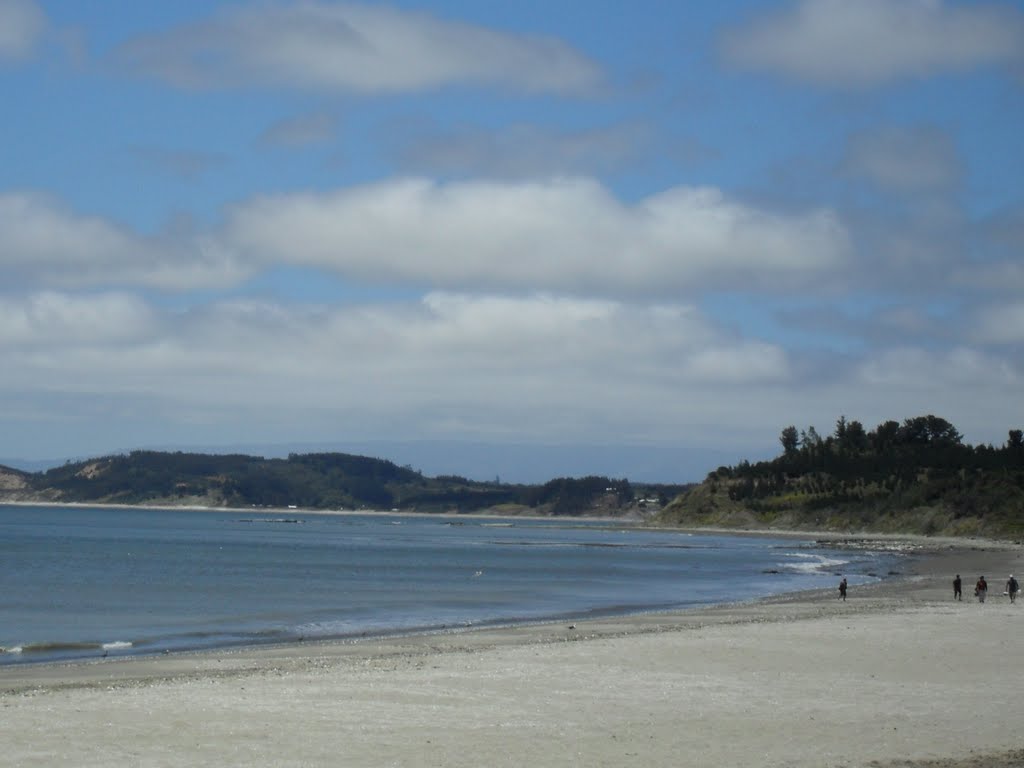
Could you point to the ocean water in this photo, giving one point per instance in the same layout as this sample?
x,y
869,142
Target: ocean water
x,y
88,582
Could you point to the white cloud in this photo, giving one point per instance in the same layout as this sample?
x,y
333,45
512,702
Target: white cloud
x,y
51,319
905,159
871,42
561,235
566,235
42,243
39,235
542,367
354,47
22,24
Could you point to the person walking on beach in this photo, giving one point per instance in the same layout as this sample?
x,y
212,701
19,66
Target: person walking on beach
x,y
981,589
957,588
842,589
1011,588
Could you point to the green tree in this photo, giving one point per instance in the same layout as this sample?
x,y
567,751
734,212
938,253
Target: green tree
x,y
840,433
884,436
929,430
811,442
1015,442
856,437
790,440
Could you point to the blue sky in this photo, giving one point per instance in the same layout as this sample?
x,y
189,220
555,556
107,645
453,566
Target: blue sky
x,y
525,240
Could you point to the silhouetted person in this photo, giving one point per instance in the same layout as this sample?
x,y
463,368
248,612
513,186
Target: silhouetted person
x,y
958,593
1012,588
842,589
981,589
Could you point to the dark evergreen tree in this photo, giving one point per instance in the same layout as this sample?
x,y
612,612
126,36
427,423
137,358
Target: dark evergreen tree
x,y
790,440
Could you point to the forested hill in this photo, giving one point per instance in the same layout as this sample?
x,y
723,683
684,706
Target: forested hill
x,y
316,481
912,477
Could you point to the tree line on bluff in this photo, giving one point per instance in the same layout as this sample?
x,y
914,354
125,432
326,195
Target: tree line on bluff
x,y
916,475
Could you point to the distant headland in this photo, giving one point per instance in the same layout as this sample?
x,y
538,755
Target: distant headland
x,y
910,477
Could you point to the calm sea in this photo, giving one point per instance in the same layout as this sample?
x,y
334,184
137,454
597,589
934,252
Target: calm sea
x,y
85,582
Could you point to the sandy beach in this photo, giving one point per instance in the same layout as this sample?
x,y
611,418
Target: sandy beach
x,y
898,675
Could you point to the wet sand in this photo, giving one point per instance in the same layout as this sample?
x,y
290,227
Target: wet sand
x,y
898,675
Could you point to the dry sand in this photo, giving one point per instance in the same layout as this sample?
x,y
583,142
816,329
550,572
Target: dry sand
x,y
899,675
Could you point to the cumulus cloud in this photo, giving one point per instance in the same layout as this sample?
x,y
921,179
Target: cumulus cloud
x,y
872,42
22,24
354,47
560,235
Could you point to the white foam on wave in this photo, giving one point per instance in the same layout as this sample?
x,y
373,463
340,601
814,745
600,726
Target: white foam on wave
x,y
12,649
117,645
809,563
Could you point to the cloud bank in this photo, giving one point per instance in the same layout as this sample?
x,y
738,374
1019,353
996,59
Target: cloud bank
x,y
568,235
874,42
43,243
560,235
353,47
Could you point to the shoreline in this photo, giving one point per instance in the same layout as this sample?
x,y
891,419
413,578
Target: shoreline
x,y
801,679
630,520
118,650
623,519
910,548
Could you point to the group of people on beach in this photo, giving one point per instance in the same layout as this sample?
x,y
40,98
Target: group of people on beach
x,y
981,588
